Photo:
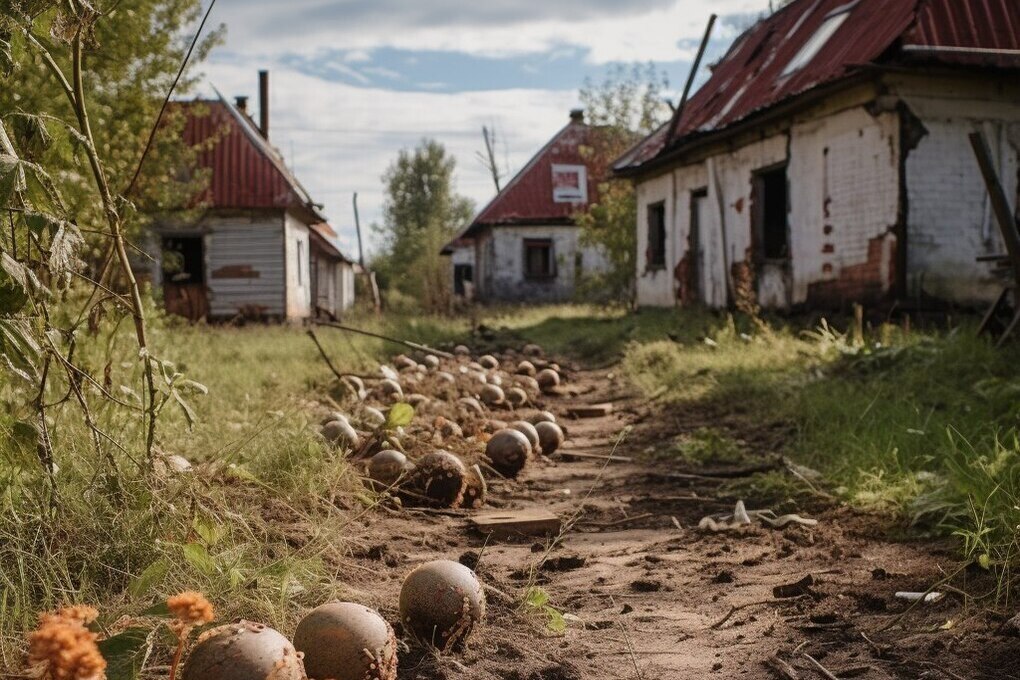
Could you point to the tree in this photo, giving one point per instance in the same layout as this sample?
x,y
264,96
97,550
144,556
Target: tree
x,y
421,214
626,106
131,56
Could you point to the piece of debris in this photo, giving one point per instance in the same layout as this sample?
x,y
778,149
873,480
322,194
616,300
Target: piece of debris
x,y
801,587
563,563
501,525
929,598
590,410
741,516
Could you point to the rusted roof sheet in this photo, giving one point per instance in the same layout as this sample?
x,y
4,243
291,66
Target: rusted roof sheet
x,y
756,73
528,198
247,172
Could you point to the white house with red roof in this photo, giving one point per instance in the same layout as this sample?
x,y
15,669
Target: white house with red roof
x,y
260,247
826,161
524,246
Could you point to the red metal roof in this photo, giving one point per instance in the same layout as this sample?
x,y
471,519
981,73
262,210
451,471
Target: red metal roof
x,y
528,198
754,76
247,172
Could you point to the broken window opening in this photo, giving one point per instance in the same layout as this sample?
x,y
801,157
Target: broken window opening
x,y
183,259
462,274
300,263
771,214
539,261
656,253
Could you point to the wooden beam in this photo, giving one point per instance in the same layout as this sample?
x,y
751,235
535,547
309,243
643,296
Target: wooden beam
x,y
1000,204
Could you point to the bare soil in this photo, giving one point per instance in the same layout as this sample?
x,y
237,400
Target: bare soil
x,y
649,595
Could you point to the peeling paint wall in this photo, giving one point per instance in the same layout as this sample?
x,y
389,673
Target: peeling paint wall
x,y
499,263
843,193
950,222
296,266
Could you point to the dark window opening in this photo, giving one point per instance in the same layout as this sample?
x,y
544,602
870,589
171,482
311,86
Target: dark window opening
x,y
538,259
183,260
462,273
656,254
771,214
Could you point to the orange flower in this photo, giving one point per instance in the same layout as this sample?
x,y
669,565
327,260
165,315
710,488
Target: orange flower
x,y
190,608
66,646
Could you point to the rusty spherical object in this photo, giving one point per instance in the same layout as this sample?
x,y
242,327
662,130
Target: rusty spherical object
x,y
532,350
446,376
526,368
340,433
516,397
441,603
243,651
390,388
475,489
347,641
492,395
439,479
448,428
471,405
508,450
461,350
431,362
547,379
543,416
526,382
372,417
386,467
550,436
488,361
529,431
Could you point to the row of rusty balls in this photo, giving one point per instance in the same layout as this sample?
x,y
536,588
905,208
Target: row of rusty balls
x,y
441,603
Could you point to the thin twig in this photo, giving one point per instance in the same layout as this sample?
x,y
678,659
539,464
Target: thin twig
x,y
378,336
822,670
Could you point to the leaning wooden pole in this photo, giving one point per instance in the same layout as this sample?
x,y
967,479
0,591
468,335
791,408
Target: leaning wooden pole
x,y
1000,204
695,67
369,275
379,336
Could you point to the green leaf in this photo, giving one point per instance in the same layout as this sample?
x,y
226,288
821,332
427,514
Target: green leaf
x,y
400,415
556,622
151,576
536,598
125,653
210,533
198,557
19,348
985,561
189,413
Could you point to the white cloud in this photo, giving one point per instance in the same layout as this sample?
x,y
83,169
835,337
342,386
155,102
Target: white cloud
x,y
609,30
340,138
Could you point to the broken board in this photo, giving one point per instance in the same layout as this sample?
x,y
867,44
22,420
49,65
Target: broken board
x,y
501,525
590,410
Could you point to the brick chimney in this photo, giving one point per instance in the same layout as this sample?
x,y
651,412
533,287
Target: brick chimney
x,y
241,103
577,116
264,104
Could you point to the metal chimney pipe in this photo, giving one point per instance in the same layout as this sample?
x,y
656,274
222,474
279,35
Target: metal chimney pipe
x,y
264,104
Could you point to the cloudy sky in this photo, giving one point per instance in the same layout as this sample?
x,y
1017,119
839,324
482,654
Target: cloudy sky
x,y
354,81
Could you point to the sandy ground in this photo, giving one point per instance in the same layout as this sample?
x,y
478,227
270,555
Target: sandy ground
x,y
649,595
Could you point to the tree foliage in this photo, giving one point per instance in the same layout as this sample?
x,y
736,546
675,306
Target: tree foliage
x,y
622,109
422,213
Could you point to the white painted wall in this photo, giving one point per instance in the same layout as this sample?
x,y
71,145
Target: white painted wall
x,y
297,265
950,220
345,278
499,263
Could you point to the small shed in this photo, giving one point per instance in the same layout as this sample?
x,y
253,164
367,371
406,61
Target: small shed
x,y
826,160
524,246
260,248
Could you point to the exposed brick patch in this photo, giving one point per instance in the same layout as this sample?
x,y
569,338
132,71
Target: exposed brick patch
x,y
868,282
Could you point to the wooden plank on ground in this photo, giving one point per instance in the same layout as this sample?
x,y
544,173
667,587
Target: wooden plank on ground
x,y
594,456
500,525
590,410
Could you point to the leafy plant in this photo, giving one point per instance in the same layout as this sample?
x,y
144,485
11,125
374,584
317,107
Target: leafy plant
x,y
536,600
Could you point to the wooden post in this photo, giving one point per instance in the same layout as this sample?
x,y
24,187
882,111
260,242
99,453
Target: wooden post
x,y
369,275
1000,204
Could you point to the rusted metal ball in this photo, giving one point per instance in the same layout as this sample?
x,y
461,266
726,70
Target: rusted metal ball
x,y
509,451
243,651
448,428
340,433
372,417
550,436
461,350
516,397
390,388
404,363
493,425
526,368
441,603
439,479
492,395
547,379
431,362
532,350
529,431
446,376
347,641
489,361
386,467
527,382
475,489
471,405
475,366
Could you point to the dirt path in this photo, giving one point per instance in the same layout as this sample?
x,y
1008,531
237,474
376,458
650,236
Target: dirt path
x,y
646,598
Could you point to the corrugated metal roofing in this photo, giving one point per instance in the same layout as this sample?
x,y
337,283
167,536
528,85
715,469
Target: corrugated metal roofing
x,y
528,198
754,76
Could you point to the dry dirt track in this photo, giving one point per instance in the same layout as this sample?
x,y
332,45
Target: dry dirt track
x,y
650,598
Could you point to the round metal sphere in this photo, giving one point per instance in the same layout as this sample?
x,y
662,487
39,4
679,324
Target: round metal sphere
x,y
547,379
509,451
543,416
461,350
550,436
440,477
526,368
242,651
347,641
489,361
386,467
532,350
441,603
492,395
431,362
340,433
516,397
390,387
529,431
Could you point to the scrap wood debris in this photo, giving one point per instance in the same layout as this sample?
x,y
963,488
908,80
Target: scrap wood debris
x,y
741,516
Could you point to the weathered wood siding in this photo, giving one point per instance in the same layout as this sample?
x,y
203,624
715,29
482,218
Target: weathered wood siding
x,y
245,266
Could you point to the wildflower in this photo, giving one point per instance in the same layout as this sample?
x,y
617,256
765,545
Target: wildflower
x,y
66,647
190,608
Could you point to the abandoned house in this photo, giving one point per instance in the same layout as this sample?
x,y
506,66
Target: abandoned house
x,y
826,160
260,247
524,246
